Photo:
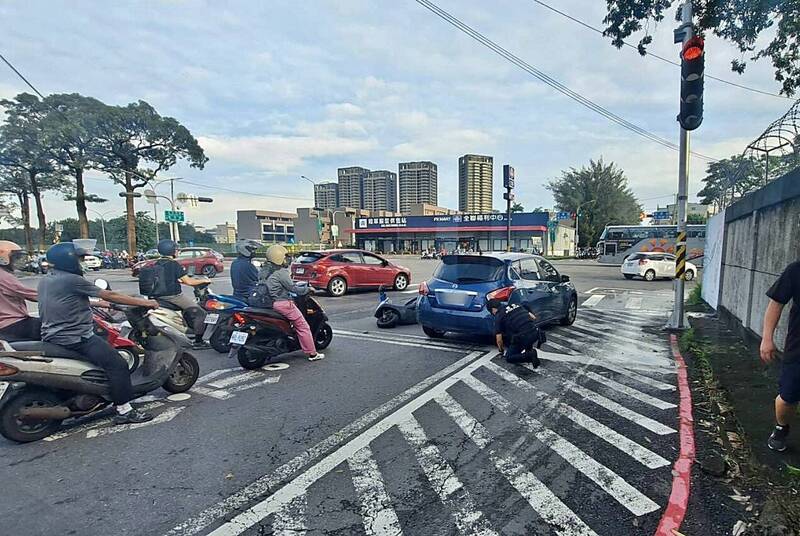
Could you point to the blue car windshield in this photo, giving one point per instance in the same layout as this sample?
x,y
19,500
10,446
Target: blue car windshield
x,y
462,269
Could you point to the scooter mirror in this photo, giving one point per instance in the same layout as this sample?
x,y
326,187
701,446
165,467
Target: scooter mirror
x,y
102,284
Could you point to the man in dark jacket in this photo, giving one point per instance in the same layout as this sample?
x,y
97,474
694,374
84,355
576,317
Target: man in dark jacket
x,y
515,331
244,275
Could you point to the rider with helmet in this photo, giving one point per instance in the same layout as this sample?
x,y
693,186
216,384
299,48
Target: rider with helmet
x,y
244,275
15,322
67,321
173,276
280,287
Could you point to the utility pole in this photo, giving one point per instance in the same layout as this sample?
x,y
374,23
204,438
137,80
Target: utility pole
x,y
508,184
176,233
690,117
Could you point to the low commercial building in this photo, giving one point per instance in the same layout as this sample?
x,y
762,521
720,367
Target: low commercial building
x,y
268,226
464,232
332,227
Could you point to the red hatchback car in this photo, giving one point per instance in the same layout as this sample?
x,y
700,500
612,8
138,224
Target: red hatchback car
x,y
205,261
338,270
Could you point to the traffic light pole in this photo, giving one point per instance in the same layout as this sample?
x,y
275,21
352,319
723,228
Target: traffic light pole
x,y
677,321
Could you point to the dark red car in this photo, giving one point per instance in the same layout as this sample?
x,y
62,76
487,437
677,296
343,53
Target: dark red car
x,y
337,270
205,261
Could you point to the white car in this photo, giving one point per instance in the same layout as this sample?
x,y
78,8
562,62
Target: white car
x,y
651,266
93,262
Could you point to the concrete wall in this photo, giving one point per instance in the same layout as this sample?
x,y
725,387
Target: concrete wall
x,y
762,236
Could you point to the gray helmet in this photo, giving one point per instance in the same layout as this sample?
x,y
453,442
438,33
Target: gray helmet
x,y
246,248
167,247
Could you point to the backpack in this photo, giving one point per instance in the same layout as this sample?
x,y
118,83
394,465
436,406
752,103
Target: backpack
x,y
153,281
259,297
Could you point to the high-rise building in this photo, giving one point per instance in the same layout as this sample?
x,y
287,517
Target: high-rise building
x,y
326,195
351,180
418,184
380,190
475,183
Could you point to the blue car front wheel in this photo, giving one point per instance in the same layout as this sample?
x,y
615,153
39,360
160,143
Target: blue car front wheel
x,y
433,333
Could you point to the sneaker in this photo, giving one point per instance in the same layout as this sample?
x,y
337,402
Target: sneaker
x,y
200,345
134,416
777,440
317,357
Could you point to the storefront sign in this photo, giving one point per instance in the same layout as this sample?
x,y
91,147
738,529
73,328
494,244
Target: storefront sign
x,y
451,222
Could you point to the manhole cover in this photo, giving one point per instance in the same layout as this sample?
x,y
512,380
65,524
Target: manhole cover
x,y
179,397
275,366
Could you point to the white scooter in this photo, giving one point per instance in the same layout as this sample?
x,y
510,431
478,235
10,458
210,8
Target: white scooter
x,y
42,384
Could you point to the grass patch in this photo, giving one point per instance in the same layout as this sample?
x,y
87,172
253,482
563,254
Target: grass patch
x,y
696,295
699,350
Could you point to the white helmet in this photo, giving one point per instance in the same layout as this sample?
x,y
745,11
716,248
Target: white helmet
x,y
9,252
246,248
276,254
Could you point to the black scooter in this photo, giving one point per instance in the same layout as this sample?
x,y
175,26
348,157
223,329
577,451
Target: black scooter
x,y
390,315
260,335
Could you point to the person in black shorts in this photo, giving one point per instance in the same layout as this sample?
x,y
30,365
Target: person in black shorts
x,y
516,332
786,288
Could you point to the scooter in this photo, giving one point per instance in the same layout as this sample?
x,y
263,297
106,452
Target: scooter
x,y
219,314
390,315
48,384
106,326
261,335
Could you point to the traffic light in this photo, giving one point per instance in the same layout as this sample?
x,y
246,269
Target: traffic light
x,y
693,61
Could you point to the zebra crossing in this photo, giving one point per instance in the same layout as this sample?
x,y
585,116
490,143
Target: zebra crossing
x,y
581,446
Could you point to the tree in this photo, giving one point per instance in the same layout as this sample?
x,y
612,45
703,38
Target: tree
x,y
517,207
22,147
14,183
605,187
696,219
738,22
135,144
70,135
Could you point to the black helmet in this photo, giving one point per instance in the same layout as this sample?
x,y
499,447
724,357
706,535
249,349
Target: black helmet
x,y
494,303
66,257
167,247
246,248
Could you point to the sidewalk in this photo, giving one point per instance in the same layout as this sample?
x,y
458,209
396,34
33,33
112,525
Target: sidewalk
x,y
734,406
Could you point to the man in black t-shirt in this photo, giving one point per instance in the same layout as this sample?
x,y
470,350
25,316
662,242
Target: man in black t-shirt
x,y
174,274
786,288
516,332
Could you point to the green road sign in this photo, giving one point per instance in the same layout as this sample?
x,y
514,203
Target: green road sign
x,y
175,216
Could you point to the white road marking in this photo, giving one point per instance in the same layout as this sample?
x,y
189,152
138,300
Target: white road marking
x,y
661,386
647,364
634,303
378,516
215,373
559,347
630,391
607,316
645,456
165,416
543,501
628,496
636,342
593,300
265,381
403,337
399,343
614,407
219,394
269,482
291,519
97,423
238,378
469,519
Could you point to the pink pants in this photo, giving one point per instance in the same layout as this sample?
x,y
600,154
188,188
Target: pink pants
x,y
289,310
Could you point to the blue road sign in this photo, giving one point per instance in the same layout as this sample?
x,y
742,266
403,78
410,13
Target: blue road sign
x,y
563,216
662,215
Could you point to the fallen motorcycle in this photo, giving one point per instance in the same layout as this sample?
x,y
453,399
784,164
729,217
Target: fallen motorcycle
x,y
390,315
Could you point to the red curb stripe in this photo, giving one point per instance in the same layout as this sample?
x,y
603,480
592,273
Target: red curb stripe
x,y
682,470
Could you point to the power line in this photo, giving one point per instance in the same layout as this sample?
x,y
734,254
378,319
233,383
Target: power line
x,y
555,84
10,66
662,58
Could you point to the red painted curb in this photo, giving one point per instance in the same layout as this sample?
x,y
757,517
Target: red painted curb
x,y
682,470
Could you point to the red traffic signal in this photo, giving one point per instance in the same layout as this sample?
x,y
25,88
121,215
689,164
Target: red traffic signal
x,y
693,49
692,71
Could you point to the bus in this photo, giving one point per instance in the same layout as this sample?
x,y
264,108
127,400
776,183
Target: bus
x,y
619,241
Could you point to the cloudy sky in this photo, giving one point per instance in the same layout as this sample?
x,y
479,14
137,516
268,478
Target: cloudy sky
x,y
278,89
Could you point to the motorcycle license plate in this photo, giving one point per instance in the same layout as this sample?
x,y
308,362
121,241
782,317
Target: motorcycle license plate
x,y
239,337
300,271
212,318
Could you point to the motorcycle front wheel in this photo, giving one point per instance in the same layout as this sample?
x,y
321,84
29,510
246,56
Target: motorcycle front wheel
x,y
25,431
183,377
323,337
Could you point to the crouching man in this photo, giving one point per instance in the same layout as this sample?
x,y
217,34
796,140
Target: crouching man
x,y
516,332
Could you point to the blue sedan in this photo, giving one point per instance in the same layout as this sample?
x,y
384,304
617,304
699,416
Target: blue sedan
x,y
454,299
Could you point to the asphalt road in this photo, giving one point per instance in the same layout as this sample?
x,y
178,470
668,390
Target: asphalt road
x,y
390,434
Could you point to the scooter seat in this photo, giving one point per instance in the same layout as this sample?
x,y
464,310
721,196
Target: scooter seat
x,y
167,305
46,349
264,312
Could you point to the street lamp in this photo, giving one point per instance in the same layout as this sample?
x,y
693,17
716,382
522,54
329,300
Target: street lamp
x,y
577,216
309,180
102,224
